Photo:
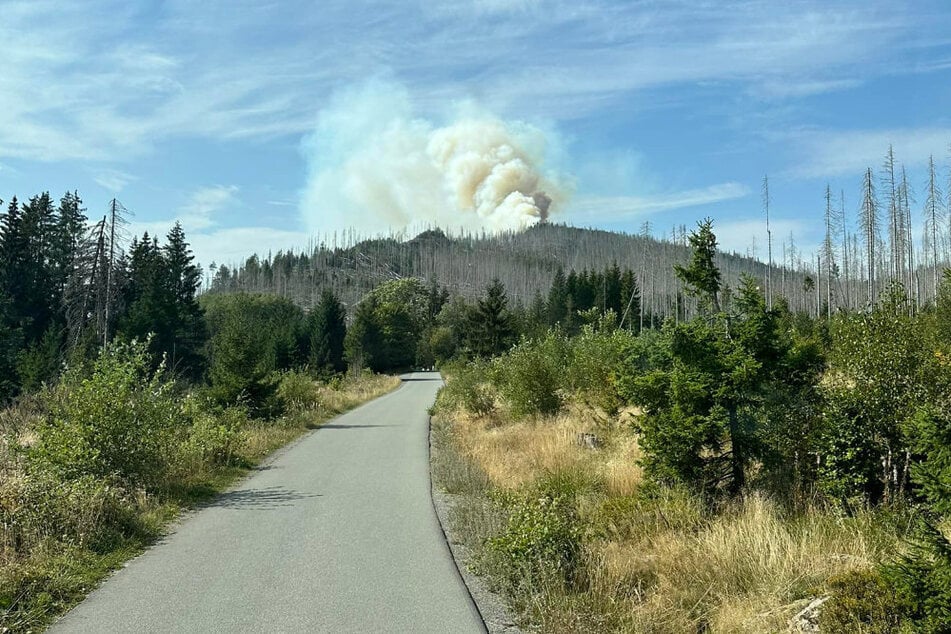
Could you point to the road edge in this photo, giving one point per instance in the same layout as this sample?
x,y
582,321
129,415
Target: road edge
x,y
491,608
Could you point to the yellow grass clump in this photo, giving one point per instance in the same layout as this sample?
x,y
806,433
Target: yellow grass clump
x,y
517,453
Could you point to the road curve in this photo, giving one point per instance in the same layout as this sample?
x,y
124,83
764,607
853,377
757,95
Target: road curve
x,y
337,534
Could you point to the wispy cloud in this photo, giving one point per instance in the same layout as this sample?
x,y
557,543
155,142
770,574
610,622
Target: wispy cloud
x,y
113,180
204,203
109,81
831,153
614,208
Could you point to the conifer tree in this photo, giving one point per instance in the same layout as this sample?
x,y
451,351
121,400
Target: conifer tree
x,y
702,277
558,298
328,329
490,329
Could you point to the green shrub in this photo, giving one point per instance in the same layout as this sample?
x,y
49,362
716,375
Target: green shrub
x,y
594,359
467,389
116,420
37,507
531,376
214,433
860,601
542,538
252,339
297,392
921,581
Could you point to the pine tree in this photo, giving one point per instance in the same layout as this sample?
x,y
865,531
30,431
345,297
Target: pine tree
x,y
491,330
702,277
14,252
182,279
38,302
328,331
364,338
558,298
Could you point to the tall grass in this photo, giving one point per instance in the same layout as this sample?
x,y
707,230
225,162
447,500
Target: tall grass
x,y
652,559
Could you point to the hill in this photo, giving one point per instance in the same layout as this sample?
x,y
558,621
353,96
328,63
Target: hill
x,y
524,261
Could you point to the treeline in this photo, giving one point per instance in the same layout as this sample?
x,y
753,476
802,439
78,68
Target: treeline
x,y
69,287
404,322
525,263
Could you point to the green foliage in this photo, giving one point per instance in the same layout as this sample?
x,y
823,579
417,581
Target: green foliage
x,y
716,406
594,358
929,433
531,376
83,511
213,433
40,363
328,329
388,325
490,330
159,295
861,601
880,371
702,277
297,391
252,337
542,538
467,388
921,580
118,420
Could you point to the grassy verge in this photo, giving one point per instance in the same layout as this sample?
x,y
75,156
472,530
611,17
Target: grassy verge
x,y
62,535
578,542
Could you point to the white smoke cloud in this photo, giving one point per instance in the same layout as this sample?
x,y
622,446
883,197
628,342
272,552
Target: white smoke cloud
x,y
374,166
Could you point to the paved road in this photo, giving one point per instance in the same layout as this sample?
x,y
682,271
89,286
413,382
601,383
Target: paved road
x,y
337,534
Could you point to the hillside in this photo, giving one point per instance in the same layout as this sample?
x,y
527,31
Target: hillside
x,y
524,261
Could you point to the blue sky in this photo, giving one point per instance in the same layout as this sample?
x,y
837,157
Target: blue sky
x,y
240,118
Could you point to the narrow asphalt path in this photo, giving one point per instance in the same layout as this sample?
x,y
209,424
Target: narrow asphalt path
x,y
337,534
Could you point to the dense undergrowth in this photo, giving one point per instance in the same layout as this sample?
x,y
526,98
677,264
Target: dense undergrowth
x,y
94,467
600,489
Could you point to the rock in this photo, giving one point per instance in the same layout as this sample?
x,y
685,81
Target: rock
x,y
590,441
807,620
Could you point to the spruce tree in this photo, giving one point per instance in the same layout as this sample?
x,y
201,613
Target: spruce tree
x,y
328,331
491,330
702,277
557,298
187,329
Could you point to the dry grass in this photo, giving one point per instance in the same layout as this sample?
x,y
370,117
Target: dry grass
x,y
515,454
747,570
664,564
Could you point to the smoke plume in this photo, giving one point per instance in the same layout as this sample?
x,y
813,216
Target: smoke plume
x,y
374,166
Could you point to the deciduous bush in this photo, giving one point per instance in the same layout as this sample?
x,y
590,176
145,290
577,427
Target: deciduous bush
x,y
117,420
297,391
467,388
531,377
213,435
542,538
594,359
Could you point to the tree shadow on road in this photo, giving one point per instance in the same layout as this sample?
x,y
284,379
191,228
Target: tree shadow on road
x,y
267,499
333,426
